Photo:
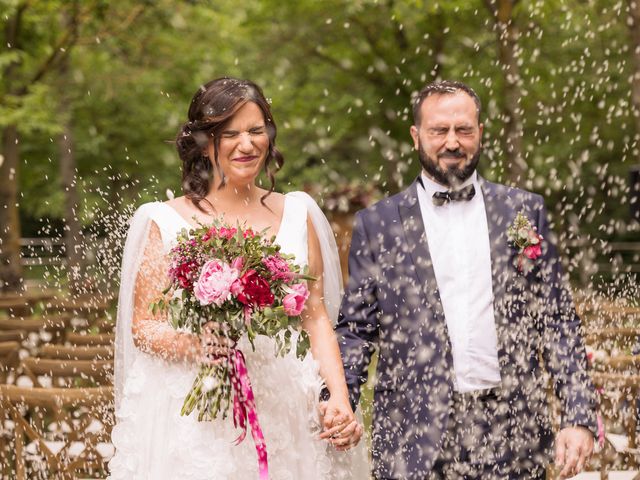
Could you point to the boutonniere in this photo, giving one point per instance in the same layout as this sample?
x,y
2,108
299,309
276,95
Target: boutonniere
x,y
525,238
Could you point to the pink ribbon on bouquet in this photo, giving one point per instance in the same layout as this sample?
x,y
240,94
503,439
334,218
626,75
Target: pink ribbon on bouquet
x,y
244,407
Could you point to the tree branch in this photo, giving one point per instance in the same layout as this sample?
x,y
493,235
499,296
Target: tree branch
x,y
398,31
493,9
121,26
12,38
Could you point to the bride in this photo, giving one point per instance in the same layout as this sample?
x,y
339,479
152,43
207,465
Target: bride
x,y
228,140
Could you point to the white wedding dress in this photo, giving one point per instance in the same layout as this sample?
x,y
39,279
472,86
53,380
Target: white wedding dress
x,y
152,439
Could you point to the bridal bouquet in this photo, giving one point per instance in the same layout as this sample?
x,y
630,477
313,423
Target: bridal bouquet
x,y
241,280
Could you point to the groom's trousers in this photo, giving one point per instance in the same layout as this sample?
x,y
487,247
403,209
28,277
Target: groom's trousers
x,y
476,445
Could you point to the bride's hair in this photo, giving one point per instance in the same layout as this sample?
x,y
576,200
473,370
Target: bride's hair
x,y
211,109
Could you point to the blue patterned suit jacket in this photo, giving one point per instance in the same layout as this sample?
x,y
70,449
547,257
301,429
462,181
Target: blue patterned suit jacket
x,y
392,303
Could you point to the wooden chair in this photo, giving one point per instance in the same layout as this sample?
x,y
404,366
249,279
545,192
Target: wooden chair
x,y
615,373
55,432
96,325
105,325
90,339
89,307
68,373
613,338
54,324
9,359
22,304
13,335
619,407
63,352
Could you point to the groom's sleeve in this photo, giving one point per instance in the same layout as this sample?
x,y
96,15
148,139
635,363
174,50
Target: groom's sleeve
x,y
357,326
564,352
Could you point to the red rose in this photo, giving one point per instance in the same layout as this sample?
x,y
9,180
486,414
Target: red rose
x,y
248,233
184,273
252,289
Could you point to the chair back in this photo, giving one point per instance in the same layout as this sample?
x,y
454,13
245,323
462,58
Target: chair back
x,y
68,373
56,433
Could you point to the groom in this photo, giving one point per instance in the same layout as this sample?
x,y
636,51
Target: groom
x,y
457,282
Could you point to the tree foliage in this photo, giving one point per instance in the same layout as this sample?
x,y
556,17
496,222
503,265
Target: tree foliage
x,y
340,75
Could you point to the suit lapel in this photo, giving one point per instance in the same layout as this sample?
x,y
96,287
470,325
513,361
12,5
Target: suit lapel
x,y
500,214
497,222
416,237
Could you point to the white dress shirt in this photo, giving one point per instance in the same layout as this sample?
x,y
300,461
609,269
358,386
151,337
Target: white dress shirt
x,y
458,239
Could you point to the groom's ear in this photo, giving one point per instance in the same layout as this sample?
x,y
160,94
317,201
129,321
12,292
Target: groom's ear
x,y
414,134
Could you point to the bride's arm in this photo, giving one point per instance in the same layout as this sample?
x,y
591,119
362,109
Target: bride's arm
x,y
340,425
151,332
324,345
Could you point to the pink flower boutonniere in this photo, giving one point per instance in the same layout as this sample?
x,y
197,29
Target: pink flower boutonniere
x,y
525,238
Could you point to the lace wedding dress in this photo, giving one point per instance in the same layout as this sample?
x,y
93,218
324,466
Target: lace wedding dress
x,y
152,439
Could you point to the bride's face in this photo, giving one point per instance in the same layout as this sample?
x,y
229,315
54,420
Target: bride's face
x,y
243,145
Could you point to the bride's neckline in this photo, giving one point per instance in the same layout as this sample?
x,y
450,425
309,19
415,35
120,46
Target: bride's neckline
x,y
191,225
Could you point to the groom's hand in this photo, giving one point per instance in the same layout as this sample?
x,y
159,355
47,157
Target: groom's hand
x,y
574,446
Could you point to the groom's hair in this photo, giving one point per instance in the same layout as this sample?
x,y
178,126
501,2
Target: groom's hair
x,y
443,87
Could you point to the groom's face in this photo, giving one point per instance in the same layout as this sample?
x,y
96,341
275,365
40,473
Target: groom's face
x,y
448,137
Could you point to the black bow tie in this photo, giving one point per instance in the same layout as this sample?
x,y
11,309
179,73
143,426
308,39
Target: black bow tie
x,y
463,195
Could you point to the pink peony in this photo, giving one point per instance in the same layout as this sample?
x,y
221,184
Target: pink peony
x,y
278,267
294,301
533,251
214,284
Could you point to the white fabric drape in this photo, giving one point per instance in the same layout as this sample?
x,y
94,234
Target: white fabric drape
x,y
131,258
330,260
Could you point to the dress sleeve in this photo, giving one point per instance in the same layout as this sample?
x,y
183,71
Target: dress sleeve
x,y
151,332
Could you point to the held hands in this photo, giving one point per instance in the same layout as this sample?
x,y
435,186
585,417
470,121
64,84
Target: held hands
x,y
215,344
574,446
340,426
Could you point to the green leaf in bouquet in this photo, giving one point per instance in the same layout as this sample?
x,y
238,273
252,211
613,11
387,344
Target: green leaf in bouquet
x,y
251,333
279,345
269,313
281,317
183,234
303,345
287,341
235,320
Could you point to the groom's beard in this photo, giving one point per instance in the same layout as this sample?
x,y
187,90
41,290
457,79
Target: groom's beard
x,y
450,177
